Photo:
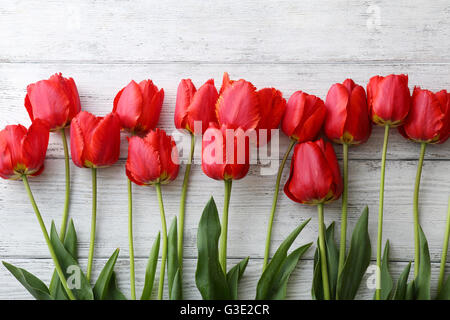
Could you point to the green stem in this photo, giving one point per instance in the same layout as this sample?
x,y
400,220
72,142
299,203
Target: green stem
x,y
164,249
93,223
47,239
342,249
323,253
62,234
380,212
444,250
183,203
224,233
130,240
416,210
274,204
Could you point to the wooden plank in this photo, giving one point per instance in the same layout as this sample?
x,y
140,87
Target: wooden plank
x,y
250,203
98,84
250,31
299,284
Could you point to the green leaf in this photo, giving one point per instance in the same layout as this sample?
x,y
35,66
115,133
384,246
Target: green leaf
x,y
176,293
410,288
357,261
103,281
209,277
387,284
81,288
151,269
172,257
444,294
112,291
269,276
34,285
279,288
422,281
333,265
234,275
401,288
71,245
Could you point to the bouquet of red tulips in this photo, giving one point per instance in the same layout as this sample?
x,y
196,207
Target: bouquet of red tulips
x,y
233,124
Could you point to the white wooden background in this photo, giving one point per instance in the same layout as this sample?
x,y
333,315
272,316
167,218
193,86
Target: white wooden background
x,y
290,45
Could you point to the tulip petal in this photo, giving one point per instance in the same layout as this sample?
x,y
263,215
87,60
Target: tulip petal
x,y
77,143
358,124
103,149
129,105
69,87
6,164
213,153
152,104
238,106
330,156
185,93
34,145
314,118
294,113
337,100
272,106
202,106
143,165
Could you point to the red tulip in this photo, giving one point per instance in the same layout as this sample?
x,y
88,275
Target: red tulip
x,y
22,151
55,101
389,99
225,153
240,105
139,106
95,141
195,105
347,119
304,116
315,176
152,159
429,117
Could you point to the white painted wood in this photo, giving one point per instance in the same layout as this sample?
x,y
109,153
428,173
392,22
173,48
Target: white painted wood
x,y
304,45
299,286
238,31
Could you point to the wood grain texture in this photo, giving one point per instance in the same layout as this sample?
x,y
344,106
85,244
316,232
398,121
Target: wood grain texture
x,y
290,45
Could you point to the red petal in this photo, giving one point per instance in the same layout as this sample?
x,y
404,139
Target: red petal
x,y
151,112
333,164
185,93
336,103
202,106
34,145
104,148
129,105
238,106
143,165
358,123
213,163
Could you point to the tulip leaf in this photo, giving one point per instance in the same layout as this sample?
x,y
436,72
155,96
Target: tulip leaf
x,y
209,277
279,288
357,261
234,275
332,262
176,293
387,284
71,245
266,283
76,279
103,281
422,281
444,294
112,290
401,288
172,259
34,285
410,288
151,269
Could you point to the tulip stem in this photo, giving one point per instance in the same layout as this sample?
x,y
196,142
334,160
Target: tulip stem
x,y
47,239
183,203
274,204
444,250
130,240
164,248
416,210
342,249
380,213
323,253
62,234
93,223
224,233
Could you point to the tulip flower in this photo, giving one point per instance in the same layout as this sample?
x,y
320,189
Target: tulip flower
x,y
389,102
428,122
153,160
94,143
138,106
56,102
192,106
225,156
347,122
302,122
22,154
315,179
